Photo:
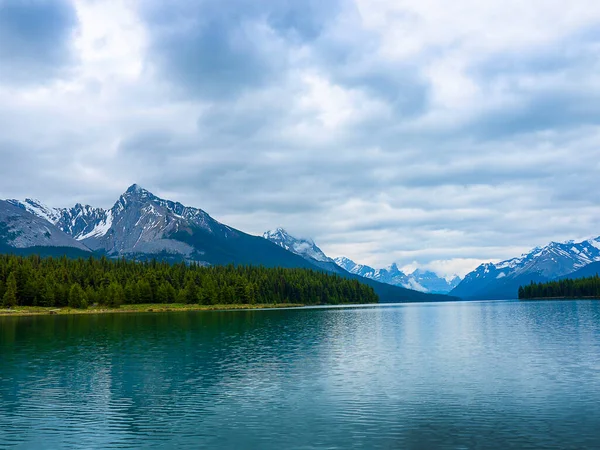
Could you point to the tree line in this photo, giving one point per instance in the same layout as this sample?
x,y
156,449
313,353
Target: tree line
x,y
567,288
58,282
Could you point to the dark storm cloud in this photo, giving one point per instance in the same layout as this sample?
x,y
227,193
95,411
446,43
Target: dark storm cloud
x,y
218,50
35,39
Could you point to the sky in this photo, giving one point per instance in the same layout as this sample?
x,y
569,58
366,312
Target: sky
x,y
432,134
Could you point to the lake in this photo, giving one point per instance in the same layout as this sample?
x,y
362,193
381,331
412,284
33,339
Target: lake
x,y
461,375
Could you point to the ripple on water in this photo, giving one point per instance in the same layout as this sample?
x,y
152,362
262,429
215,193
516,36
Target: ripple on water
x,y
458,375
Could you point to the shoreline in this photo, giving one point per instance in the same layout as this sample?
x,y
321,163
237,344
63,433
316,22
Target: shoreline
x,y
537,299
21,311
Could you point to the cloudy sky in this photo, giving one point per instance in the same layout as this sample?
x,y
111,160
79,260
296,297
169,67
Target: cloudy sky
x,y
426,132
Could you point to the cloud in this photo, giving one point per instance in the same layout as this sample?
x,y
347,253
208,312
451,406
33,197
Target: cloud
x,y
36,38
217,50
403,131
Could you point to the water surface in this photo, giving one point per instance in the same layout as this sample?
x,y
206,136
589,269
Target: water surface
x,y
423,376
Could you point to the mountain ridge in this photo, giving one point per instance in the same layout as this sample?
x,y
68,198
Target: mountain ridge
x,y
141,225
392,275
20,229
502,280
423,281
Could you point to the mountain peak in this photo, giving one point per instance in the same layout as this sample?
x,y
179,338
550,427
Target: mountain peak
x,y
135,193
393,268
278,232
342,260
136,189
303,247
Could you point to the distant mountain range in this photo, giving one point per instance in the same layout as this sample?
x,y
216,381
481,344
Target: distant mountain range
x,y
554,261
141,225
422,281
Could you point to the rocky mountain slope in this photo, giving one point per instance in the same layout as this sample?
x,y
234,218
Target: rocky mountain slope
x,y
141,225
305,248
502,280
22,230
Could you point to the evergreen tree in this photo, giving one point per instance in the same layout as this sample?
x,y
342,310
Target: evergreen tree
x,y
62,282
115,296
77,298
10,295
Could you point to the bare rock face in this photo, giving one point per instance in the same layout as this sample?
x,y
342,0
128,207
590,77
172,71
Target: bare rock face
x,y
142,223
21,229
139,223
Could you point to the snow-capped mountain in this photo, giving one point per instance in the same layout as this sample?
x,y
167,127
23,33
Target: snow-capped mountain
x,y
502,280
138,223
21,229
83,221
306,248
37,208
434,283
423,281
80,221
142,225
391,277
303,247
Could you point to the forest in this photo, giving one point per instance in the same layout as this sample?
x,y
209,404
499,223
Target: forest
x,y
59,282
567,288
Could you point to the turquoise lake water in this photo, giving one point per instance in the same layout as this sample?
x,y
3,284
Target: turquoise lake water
x,y
417,376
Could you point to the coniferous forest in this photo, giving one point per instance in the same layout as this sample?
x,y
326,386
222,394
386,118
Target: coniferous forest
x,y
567,288
58,282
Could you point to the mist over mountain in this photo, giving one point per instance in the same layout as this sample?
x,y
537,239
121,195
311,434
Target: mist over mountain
x,y
420,280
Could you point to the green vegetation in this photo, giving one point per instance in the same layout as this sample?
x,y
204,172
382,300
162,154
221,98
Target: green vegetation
x,y
148,308
61,282
568,288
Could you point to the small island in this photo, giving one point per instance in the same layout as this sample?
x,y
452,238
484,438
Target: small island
x,y
35,285
580,288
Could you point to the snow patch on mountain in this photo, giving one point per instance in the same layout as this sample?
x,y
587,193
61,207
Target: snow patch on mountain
x,y
39,209
424,281
100,229
302,247
542,263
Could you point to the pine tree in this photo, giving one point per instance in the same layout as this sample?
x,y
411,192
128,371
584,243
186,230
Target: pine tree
x,y
77,298
115,296
10,296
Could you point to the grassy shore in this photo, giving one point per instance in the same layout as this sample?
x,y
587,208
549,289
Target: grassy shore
x,y
150,308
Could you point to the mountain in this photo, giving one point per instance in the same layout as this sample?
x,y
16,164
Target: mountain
x,y
309,251
305,248
80,221
502,280
423,281
141,225
590,270
432,282
23,232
